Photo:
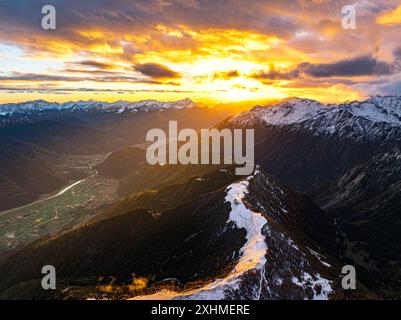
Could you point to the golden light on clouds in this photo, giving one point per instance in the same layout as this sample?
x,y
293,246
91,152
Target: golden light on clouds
x,y
391,17
209,52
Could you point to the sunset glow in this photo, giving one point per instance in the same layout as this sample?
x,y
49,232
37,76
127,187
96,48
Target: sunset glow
x,y
209,52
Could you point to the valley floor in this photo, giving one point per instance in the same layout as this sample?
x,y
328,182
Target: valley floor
x,y
63,209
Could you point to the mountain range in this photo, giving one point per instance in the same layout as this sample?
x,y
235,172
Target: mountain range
x,y
320,141
43,134
326,193
31,107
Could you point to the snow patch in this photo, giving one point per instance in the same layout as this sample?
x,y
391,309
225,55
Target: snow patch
x,y
252,253
319,257
320,286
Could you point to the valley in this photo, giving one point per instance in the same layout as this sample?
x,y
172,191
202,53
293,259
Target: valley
x,y
325,194
60,210
200,150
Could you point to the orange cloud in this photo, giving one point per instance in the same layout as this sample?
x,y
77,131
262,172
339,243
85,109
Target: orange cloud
x,y
391,17
220,51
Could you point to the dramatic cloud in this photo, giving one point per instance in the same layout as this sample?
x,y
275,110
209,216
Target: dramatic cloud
x,y
397,52
359,66
274,74
157,71
391,86
37,77
96,64
54,78
391,17
83,71
219,51
226,75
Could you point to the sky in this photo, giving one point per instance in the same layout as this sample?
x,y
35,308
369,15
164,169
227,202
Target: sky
x,y
211,51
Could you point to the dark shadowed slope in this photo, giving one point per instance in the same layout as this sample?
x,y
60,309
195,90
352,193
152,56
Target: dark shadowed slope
x,y
194,240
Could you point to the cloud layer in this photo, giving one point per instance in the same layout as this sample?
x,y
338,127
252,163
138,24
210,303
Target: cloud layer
x,y
215,50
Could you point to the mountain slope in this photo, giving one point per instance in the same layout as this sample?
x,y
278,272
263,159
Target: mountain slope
x,y
306,143
63,137
126,123
199,240
25,172
121,161
35,135
366,202
377,119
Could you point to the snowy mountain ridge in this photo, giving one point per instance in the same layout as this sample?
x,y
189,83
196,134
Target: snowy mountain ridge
x,y
378,117
253,276
93,105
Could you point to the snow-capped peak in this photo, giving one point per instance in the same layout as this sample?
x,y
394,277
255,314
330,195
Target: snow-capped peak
x,y
288,111
296,110
378,109
372,118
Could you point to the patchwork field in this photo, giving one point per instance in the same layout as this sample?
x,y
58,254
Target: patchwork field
x,y
61,210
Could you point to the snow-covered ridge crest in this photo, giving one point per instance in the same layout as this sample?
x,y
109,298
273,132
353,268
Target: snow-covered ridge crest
x,y
373,117
252,253
297,110
93,105
255,276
